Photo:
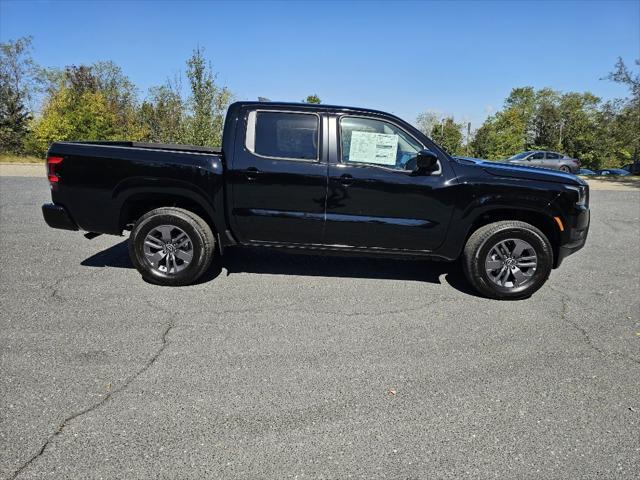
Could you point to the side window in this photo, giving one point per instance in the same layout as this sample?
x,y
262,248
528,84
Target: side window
x,y
283,135
553,156
365,140
537,156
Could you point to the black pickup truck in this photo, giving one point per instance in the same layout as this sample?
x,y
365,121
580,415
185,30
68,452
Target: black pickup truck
x,y
325,179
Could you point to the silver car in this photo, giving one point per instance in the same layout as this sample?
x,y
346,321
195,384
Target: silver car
x,y
541,158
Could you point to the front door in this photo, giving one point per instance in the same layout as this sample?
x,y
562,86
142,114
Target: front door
x,y
279,178
375,200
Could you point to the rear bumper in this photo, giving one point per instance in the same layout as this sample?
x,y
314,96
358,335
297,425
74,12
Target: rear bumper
x,y
57,216
576,231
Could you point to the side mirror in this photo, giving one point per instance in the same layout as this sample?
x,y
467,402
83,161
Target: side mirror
x,y
426,162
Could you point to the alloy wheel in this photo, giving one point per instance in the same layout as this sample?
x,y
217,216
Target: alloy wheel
x,y
168,249
511,263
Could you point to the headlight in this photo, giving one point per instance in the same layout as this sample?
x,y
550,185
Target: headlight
x,y
581,193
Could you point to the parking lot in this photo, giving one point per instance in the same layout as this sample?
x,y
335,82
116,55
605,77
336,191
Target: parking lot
x,y
292,366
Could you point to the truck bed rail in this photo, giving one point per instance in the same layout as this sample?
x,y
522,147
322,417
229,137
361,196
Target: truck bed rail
x,y
155,146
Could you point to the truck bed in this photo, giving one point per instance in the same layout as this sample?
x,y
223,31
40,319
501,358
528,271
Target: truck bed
x,y
102,183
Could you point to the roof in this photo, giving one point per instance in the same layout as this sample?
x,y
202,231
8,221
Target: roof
x,y
311,106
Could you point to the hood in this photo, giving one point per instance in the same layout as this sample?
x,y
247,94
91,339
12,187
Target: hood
x,y
514,170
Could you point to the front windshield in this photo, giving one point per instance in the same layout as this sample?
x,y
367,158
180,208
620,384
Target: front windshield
x,y
519,156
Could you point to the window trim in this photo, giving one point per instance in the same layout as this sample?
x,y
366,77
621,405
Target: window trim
x,y
251,121
378,165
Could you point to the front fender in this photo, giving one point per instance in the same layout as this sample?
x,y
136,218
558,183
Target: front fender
x,y
509,199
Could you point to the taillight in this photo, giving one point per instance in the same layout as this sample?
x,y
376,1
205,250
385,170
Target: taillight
x,y
52,168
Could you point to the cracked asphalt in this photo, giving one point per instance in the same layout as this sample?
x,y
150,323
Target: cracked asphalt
x,y
291,366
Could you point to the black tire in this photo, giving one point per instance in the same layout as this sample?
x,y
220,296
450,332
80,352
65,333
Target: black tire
x,y
201,244
565,169
480,245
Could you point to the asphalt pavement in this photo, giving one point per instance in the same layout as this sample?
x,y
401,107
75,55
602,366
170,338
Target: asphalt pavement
x,y
291,366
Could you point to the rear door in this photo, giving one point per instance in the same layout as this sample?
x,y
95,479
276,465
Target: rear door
x,y
278,177
552,160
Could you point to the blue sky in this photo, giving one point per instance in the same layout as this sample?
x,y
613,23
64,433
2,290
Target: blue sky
x,y
459,58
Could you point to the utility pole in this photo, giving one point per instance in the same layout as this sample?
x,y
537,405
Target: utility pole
x,y
468,137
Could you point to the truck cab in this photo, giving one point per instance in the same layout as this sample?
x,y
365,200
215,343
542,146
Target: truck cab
x,y
334,177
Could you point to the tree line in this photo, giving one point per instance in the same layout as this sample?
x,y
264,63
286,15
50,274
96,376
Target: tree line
x,y
99,102
600,134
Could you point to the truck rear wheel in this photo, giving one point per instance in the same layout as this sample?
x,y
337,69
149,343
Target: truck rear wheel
x,y
171,246
507,259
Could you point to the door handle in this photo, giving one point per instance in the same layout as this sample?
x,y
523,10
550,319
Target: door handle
x,y
252,173
346,179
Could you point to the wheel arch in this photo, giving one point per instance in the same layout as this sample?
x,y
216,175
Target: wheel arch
x,y
136,202
541,220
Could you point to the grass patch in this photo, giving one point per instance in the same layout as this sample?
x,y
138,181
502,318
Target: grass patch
x,y
10,158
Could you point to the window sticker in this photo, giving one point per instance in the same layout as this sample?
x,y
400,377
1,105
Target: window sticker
x,y
367,147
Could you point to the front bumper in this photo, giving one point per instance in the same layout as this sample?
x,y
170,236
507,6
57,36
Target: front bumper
x,y
57,216
576,231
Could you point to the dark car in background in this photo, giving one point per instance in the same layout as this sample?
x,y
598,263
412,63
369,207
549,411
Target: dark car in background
x,y
545,159
612,172
632,168
586,172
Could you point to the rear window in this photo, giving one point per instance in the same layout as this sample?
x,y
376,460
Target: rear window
x,y
553,156
287,135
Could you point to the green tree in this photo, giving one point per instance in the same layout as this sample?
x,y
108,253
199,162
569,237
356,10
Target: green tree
x,y
208,102
71,115
162,115
509,130
520,107
570,123
312,99
579,124
622,74
545,123
121,95
448,134
512,129
501,135
485,139
626,124
16,87
94,102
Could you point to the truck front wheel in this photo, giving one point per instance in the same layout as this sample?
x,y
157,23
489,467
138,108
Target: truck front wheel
x,y
507,259
171,246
